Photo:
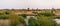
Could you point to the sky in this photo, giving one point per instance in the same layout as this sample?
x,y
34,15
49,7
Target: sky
x,y
19,4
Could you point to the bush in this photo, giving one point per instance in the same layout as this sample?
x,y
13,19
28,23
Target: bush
x,y
41,21
21,20
7,13
32,22
24,15
46,14
45,21
4,16
1,13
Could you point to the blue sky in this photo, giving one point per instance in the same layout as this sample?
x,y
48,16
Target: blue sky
x,y
29,4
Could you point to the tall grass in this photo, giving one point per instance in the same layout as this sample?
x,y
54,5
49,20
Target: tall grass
x,y
14,20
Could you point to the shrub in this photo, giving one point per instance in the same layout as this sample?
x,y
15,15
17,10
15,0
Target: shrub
x,y
21,20
41,21
46,14
4,16
24,15
44,21
32,22
7,13
1,13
